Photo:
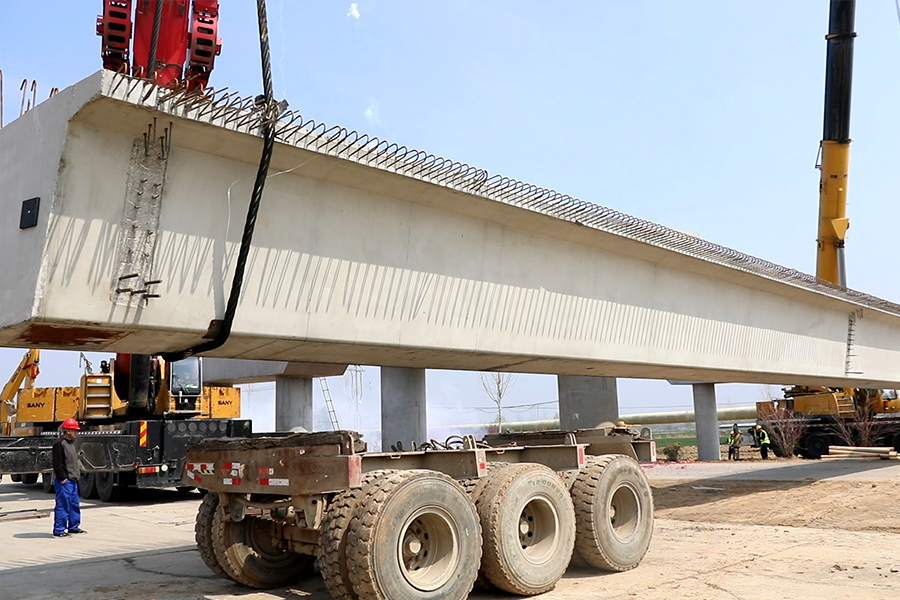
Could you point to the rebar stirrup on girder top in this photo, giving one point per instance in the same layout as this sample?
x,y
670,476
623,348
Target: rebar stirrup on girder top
x,y
24,89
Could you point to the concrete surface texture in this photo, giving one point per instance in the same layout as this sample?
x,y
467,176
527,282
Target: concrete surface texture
x,y
370,256
141,550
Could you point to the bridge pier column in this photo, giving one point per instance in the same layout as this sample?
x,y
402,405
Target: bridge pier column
x,y
706,420
586,401
293,403
403,416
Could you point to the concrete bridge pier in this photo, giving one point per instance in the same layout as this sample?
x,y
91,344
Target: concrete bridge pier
x,y
707,423
403,415
293,403
586,401
293,384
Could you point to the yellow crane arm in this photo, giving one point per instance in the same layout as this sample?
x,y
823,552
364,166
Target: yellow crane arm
x,y
835,148
25,373
833,221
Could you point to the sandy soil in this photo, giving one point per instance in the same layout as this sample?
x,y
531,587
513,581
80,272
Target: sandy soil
x,y
856,506
826,504
729,535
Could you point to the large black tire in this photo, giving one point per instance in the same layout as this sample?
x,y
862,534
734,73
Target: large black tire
x,y
29,478
87,485
413,536
613,512
47,483
776,449
528,525
816,444
249,552
895,442
333,540
203,533
107,488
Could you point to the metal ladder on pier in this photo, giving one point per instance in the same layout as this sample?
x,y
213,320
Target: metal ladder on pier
x,y
329,404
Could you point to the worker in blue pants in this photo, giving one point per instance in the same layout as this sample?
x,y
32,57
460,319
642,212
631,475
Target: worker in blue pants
x,y
66,472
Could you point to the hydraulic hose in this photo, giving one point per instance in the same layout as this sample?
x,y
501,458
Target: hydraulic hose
x,y
222,328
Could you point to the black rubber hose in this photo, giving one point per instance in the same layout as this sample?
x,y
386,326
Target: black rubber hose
x,y
223,327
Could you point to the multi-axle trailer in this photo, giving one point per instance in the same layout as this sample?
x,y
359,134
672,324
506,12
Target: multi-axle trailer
x,y
509,511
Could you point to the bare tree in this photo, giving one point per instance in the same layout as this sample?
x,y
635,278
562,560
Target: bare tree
x,y
863,429
496,385
784,425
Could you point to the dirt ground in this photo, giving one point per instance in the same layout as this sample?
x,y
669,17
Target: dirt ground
x,y
851,505
779,529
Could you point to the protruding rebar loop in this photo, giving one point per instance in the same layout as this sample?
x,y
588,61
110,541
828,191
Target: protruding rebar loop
x,y
24,89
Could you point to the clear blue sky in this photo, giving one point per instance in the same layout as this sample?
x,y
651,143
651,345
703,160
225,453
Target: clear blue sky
x,y
704,116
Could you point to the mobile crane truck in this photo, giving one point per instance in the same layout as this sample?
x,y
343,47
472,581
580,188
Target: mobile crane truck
x,y
820,411
137,417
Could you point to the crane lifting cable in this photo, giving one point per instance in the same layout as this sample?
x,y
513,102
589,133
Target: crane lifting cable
x,y
220,329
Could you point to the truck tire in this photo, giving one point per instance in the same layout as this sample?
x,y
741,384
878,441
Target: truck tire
x,y
203,533
528,525
816,444
29,478
896,442
413,536
248,552
333,539
47,483
613,513
87,485
107,488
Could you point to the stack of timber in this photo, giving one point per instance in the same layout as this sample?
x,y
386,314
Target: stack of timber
x,y
868,452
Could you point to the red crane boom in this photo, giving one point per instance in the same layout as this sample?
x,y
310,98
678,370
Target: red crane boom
x,y
169,44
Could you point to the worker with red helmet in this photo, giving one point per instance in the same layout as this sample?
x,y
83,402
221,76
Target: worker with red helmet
x,y
66,471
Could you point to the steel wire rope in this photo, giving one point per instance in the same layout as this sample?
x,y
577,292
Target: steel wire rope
x,y
223,327
154,40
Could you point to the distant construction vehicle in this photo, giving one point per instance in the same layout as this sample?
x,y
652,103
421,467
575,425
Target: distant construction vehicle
x,y
137,416
821,415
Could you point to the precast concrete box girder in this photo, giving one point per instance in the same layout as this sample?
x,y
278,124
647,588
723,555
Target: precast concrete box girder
x,y
369,253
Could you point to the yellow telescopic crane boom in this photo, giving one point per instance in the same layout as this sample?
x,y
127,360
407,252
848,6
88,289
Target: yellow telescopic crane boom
x,y
835,145
24,373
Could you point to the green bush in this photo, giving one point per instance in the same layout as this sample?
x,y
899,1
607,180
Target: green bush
x,y
673,452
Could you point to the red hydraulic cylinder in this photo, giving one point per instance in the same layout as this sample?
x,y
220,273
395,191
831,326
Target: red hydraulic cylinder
x,y
171,46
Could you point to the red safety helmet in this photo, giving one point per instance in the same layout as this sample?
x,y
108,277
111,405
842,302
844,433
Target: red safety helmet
x,y
70,424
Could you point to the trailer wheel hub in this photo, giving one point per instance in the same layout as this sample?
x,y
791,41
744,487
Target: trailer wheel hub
x,y
429,548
